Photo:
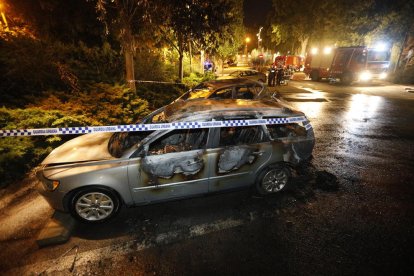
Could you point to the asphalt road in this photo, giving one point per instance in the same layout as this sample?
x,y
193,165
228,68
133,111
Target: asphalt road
x,y
350,211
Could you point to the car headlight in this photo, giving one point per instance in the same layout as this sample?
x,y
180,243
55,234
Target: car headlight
x,y
383,75
366,75
48,184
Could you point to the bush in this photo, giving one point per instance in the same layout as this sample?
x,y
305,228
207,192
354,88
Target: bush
x,y
103,104
30,66
19,154
195,78
159,94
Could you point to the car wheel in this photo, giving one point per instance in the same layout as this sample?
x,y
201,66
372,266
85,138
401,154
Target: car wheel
x,y
273,179
94,205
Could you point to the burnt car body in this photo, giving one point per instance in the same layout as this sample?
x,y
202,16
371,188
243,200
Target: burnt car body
x,y
234,88
92,175
247,74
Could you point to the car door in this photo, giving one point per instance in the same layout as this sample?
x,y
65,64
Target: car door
x,y
172,166
240,153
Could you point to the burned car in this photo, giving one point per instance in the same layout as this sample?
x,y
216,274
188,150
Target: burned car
x,y
92,175
247,74
235,88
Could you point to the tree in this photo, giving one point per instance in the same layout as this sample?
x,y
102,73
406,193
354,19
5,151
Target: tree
x,y
126,18
192,22
232,34
65,21
296,24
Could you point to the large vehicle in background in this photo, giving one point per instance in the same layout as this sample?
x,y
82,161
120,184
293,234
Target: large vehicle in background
x,y
348,64
292,62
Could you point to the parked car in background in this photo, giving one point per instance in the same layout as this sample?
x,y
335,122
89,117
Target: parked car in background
x,y
247,74
230,63
92,175
233,88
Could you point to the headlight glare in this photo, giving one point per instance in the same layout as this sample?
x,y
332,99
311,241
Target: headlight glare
x,y
364,76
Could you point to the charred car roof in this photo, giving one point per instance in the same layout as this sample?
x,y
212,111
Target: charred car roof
x,y
206,89
208,109
230,82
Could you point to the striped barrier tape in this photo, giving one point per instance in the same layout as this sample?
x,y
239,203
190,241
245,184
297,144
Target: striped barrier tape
x,y
146,127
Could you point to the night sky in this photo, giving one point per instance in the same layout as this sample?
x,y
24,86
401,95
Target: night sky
x,y
255,12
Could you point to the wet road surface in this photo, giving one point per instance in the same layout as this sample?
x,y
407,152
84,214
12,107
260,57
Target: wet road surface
x,y
350,211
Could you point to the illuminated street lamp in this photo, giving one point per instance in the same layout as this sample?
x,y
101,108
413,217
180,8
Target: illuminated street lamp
x,y
3,16
247,40
259,39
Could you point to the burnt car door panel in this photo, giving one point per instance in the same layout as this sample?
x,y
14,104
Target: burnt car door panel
x,y
174,166
239,154
298,141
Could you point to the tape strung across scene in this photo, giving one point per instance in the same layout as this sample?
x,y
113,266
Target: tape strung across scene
x,y
147,127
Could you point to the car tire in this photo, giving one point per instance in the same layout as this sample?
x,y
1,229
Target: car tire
x,y
94,204
273,179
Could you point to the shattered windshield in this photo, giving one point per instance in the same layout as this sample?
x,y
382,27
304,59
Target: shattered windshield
x,y
122,141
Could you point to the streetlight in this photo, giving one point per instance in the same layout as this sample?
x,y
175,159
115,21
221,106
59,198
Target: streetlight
x,y
3,16
247,40
259,39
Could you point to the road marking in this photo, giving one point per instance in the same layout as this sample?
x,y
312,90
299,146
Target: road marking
x,y
117,252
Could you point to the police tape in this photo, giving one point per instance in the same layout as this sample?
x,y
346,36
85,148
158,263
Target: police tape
x,y
156,82
150,127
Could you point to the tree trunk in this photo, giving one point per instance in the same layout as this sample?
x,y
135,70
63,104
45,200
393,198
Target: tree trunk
x,y
129,68
202,61
191,56
303,46
181,57
181,67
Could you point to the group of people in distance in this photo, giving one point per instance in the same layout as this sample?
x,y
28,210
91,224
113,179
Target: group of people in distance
x,y
276,74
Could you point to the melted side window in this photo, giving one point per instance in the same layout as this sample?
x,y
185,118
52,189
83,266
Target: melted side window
x,y
233,136
286,130
179,140
121,141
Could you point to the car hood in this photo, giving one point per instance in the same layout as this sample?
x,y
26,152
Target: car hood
x,y
88,147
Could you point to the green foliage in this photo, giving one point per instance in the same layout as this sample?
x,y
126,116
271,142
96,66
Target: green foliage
x,y
19,154
31,67
102,104
159,94
341,22
150,66
195,78
91,64
27,69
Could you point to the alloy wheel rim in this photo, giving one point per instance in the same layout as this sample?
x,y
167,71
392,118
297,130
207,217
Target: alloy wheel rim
x,y
94,206
274,181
